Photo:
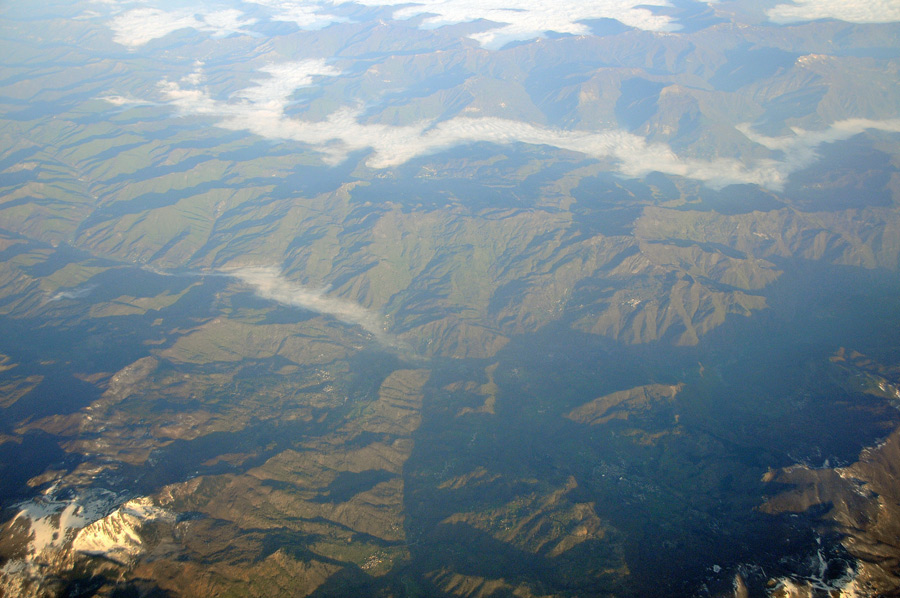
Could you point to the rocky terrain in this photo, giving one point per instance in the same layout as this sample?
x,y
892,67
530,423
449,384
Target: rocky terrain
x,y
329,299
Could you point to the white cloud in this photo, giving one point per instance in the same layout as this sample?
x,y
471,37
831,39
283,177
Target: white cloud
x,y
138,26
196,77
516,20
259,109
270,284
73,294
141,25
88,15
527,19
117,100
853,11
800,149
283,79
513,20
305,15
226,22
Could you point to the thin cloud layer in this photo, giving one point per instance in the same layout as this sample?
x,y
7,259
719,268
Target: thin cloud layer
x,y
519,20
306,15
260,110
126,102
270,284
800,149
852,11
138,26
72,294
283,79
514,20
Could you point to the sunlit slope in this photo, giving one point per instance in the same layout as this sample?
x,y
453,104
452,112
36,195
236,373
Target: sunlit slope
x,y
460,250
449,273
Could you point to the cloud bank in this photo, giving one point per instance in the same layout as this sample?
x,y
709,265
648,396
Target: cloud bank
x,y
138,26
852,11
800,149
514,20
127,102
260,110
506,20
270,284
306,15
519,20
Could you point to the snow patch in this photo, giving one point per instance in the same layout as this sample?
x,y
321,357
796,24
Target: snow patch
x,y
117,536
818,583
54,531
51,521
